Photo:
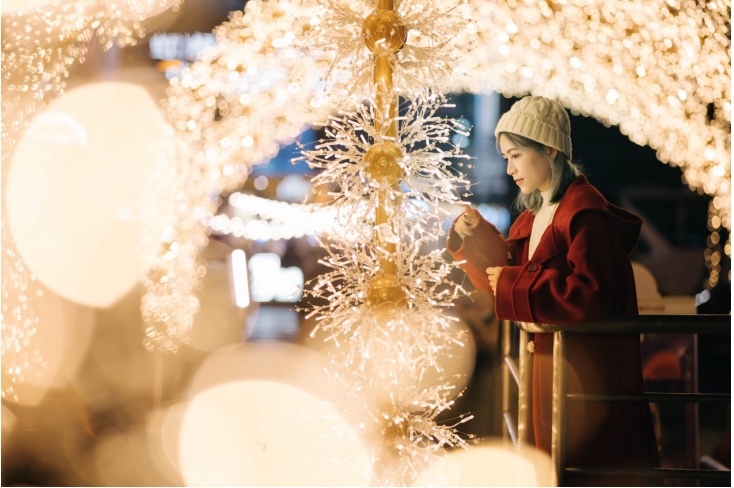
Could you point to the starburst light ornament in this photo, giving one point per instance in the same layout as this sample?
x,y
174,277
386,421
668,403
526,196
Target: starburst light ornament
x,y
386,292
433,37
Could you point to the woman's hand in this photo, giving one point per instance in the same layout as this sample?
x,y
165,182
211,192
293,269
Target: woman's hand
x,y
493,274
466,222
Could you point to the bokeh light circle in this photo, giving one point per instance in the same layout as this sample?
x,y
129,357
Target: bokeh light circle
x,y
74,190
262,433
494,463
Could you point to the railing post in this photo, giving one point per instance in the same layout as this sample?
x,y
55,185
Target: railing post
x,y
524,407
506,384
559,434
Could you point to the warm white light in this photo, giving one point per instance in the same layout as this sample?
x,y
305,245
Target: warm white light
x,y
271,282
75,186
491,463
240,278
260,433
11,6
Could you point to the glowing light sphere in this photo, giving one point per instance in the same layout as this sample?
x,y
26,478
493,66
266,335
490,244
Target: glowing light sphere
x,y
280,362
163,428
261,433
490,464
74,190
121,458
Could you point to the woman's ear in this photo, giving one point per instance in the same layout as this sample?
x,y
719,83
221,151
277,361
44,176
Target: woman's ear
x,y
552,152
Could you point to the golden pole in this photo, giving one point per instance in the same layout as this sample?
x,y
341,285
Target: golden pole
x,y
385,35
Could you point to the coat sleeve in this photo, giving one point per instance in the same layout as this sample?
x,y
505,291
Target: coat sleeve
x,y
593,289
486,248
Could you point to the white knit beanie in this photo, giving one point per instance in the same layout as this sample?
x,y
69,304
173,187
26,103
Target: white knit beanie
x,y
539,119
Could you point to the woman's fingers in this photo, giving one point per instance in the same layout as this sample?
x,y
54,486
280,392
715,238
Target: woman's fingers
x,y
493,275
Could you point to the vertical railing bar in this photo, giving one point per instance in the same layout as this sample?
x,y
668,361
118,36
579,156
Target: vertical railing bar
x,y
510,428
523,393
506,354
559,434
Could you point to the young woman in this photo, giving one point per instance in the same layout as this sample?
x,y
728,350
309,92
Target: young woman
x,y
568,263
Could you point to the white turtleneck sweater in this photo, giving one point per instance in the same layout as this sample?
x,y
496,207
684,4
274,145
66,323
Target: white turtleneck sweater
x,y
542,220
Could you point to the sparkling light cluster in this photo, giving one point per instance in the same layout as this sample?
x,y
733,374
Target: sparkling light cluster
x,y
385,373
39,46
438,35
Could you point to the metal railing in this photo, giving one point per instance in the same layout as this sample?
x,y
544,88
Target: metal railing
x,y
516,375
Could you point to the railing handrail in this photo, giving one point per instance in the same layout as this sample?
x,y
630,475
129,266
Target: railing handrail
x,y
641,324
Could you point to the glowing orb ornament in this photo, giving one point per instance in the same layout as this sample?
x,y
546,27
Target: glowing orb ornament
x,y
74,190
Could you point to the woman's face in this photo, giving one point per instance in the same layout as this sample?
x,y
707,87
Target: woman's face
x,y
530,170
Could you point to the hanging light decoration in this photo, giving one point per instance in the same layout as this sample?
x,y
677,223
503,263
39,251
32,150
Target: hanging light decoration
x,y
384,296
435,35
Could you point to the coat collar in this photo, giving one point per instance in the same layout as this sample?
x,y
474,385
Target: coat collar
x,y
548,244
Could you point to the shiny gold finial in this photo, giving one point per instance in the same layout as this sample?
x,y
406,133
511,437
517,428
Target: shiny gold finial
x,y
384,31
381,162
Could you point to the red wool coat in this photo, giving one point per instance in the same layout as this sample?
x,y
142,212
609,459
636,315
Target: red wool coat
x,y
580,272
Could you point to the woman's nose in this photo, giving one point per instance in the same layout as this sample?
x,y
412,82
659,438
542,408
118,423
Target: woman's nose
x,y
510,169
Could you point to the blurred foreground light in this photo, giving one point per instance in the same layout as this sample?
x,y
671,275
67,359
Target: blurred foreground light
x,y
133,10
9,421
74,190
261,433
11,6
121,458
279,362
493,463
59,343
164,428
